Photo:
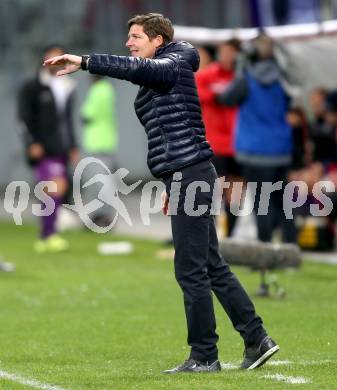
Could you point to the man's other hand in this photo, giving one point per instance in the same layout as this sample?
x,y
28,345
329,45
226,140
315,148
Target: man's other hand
x,y
165,202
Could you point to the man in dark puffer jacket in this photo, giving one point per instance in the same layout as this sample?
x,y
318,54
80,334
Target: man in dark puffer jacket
x,y
168,107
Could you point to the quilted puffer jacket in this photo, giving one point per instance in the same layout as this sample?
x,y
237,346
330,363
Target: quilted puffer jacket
x,y
167,103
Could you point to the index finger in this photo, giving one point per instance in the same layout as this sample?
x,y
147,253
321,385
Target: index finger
x,y
53,60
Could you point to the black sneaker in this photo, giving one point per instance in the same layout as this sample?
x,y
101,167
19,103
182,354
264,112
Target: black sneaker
x,y
255,357
192,365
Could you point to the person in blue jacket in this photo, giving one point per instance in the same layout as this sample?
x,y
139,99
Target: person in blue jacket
x,y
168,107
263,143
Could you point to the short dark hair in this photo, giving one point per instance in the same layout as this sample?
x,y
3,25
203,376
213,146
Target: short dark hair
x,y
320,91
233,43
153,25
210,50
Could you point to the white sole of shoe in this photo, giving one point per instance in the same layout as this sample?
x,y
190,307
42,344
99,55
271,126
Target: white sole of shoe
x,y
264,358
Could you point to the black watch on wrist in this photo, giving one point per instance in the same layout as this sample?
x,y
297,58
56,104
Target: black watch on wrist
x,y
85,62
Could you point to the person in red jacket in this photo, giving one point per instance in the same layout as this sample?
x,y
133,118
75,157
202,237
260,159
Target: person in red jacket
x,y
219,119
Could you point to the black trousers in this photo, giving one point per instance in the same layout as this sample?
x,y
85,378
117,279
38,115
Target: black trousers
x,y
200,269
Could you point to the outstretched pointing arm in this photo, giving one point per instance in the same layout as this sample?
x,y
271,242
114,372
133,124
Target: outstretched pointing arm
x,y
161,73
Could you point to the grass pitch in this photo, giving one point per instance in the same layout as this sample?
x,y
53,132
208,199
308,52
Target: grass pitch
x,y
80,321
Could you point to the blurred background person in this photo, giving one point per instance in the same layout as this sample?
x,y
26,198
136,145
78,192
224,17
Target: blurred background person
x,y
100,140
331,167
299,167
317,111
330,160
220,120
263,137
207,54
316,232
45,112
323,129
322,136
302,151
322,157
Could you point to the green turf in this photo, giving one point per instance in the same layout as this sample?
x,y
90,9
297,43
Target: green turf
x,y
83,321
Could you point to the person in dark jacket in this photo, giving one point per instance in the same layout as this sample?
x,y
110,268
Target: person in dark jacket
x,y
168,107
45,113
263,143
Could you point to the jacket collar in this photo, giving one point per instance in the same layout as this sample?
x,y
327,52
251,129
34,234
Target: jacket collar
x,y
164,48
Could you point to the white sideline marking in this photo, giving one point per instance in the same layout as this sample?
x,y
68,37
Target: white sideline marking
x,y
301,363
229,366
293,380
317,362
233,366
279,363
27,382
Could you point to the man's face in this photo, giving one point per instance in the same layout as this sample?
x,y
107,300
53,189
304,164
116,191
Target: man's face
x,y
140,45
264,46
317,102
227,56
